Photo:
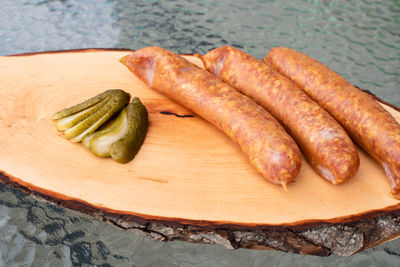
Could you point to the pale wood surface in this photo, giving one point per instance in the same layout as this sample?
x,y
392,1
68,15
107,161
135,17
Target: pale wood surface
x,y
186,169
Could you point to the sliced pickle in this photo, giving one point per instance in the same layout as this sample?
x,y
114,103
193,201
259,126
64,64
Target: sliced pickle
x,y
123,138
109,126
79,120
99,142
69,121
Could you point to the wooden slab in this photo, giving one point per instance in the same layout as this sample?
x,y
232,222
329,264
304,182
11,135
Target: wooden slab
x,y
187,176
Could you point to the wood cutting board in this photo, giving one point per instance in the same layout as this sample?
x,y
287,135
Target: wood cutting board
x,y
188,177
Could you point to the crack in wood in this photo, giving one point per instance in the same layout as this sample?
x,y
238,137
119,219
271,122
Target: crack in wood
x,y
325,251
177,115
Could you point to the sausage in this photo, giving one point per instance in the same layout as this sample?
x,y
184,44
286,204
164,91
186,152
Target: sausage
x,y
324,142
367,122
269,148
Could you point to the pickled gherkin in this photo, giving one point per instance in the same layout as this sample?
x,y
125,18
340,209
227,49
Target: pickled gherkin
x,y
77,121
121,139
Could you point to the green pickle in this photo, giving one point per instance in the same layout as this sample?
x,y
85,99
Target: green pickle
x,y
121,139
77,121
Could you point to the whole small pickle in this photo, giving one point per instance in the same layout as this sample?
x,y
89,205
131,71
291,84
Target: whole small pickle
x,y
123,138
77,121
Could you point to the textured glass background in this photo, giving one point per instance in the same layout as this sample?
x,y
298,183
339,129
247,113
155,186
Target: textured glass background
x,y
358,39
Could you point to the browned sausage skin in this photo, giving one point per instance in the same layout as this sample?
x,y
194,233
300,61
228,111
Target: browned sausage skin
x,y
270,149
371,126
324,142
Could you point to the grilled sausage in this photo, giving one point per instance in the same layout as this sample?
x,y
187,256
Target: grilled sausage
x,y
324,142
270,149
370,125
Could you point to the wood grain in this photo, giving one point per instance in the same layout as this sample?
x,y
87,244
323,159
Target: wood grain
x,y
187,173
